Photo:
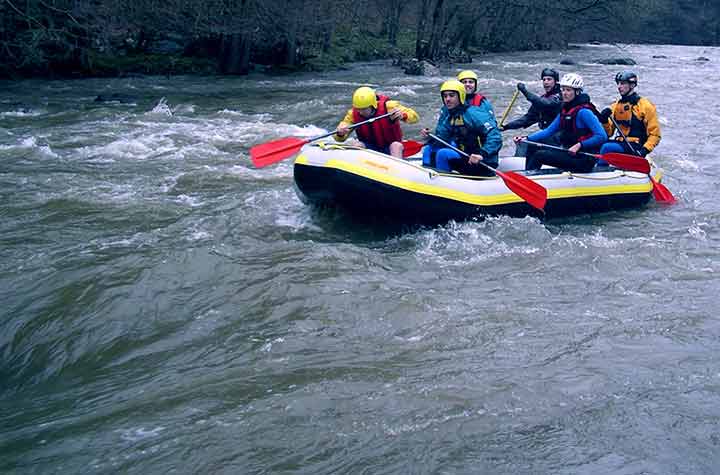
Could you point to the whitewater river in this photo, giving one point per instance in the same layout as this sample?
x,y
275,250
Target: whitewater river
x,y
166,308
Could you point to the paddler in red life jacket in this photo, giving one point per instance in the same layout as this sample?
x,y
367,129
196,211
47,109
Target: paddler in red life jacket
x,y
579,131
469,79
635,115
383,135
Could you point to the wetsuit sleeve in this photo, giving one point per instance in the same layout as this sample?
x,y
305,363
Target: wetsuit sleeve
x,y
609,126
409,115
482,119
652,126
551,130
548,102
531,117
443,129
587,120
347,120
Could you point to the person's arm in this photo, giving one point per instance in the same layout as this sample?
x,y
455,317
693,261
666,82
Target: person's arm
x,y
409,115
652,127
586,119
532,116
546,102
542,134
346,122
608,124
482,120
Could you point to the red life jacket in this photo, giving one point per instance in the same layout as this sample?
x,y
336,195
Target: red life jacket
x,y
570,133
476,100
380,133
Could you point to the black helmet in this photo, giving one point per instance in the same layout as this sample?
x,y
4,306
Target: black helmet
x,y
626,75
550,72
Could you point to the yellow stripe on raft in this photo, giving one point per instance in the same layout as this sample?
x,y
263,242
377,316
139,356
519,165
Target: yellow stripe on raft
x,y
599,190
469,198
432,190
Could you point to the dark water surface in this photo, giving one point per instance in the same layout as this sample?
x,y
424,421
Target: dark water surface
x,y
166,308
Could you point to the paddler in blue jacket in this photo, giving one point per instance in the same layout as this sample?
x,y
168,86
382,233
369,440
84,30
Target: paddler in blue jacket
x,y
472,129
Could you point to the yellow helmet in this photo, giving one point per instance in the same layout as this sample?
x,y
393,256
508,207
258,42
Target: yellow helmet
x,y
455,86
467,74
364,97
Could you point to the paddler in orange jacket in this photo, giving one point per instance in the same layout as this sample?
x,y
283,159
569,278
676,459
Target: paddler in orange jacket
x,y
383,135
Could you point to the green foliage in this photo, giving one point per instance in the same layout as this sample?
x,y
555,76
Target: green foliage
x,y
87,37
356,45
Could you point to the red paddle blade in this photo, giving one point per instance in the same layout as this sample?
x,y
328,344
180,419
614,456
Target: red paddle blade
x,y
411,147
532,192
661,193
272,152
627,162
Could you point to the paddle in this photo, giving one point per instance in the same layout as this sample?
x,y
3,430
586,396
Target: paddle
x,y
618,160
272,152
507,111
533,193
660,192
411,147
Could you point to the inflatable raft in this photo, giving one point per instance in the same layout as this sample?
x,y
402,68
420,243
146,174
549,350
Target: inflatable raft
x,y
375,184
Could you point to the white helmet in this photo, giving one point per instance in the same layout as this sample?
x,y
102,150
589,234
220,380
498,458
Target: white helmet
x,y
572,80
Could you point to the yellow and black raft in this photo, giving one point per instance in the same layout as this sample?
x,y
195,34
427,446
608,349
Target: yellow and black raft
x,y
374,184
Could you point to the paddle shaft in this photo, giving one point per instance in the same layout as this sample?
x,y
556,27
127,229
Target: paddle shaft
x,y
532,193
661,193
555,147
509,107
353,126
435,137
622,134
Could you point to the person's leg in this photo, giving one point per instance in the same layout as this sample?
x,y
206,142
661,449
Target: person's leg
x,y
443,157
565,161
466,168
396,149
610,147
428,158
522,149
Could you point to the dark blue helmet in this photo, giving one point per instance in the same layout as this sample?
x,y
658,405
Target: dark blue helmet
x,y
626,75
550,72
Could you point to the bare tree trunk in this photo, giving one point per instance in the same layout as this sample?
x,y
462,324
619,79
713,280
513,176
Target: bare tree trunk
x,y
235,54
421,50
436,28
392,20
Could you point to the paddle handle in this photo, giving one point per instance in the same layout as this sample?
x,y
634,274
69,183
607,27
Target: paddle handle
x,y
354,126
509,107
452,147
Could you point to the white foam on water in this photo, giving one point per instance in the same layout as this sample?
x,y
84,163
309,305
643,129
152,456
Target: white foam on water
x,y
139,433
23,113
187,200
458,244
161,108
407,90
323,83
29,142
696,231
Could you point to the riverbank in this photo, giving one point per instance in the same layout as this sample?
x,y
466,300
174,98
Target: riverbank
x,y
205,60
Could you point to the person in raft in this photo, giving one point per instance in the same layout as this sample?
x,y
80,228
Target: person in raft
x,y
469,79
579,127
471,129
635,115
543,109
383,135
